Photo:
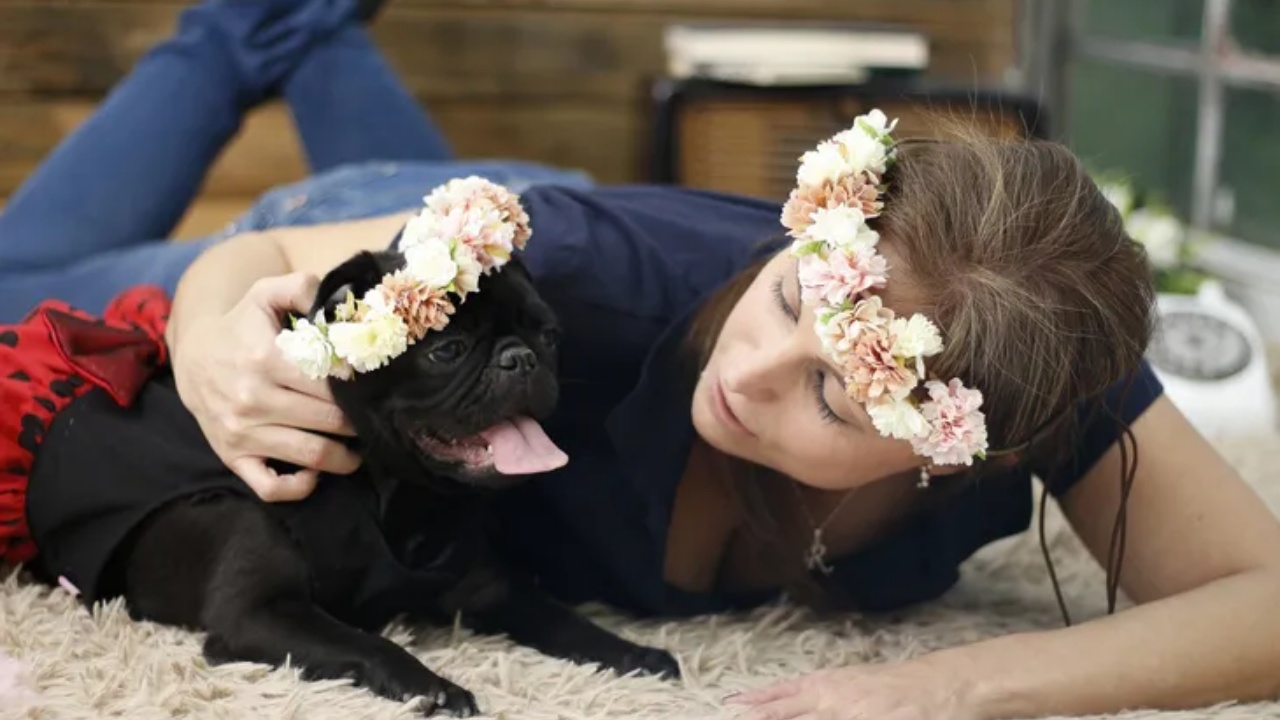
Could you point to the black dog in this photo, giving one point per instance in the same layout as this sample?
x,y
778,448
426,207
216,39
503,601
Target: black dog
x,y
313,582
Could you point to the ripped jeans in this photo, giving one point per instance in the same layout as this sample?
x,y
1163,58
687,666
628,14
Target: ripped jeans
x,y
92,220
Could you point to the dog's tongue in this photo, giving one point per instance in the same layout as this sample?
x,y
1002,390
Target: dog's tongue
x,y
520,447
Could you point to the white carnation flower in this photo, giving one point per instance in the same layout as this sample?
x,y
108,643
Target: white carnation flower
x,y
877,123
469,270
306,347
1159,232
915,337
898,419
862,151
842,226
432,263
376,302
824,164
370,344
421,228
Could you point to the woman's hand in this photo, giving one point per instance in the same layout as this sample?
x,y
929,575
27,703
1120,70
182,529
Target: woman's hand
x,y
253,405
913,690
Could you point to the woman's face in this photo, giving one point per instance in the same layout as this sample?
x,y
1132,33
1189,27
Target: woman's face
x,y
770,396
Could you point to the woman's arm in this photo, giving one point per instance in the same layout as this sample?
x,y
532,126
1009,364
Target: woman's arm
x,y
222,275
251,405
219,278
1203,565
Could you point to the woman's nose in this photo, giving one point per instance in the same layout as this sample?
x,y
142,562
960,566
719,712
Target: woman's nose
x,y
758,374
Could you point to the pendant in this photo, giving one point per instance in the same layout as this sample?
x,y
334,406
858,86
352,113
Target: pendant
x,y
816,557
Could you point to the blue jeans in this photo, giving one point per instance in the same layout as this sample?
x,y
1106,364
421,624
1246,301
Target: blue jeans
x,y
91,220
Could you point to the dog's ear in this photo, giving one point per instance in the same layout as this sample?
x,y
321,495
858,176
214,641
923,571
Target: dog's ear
x,y
355,276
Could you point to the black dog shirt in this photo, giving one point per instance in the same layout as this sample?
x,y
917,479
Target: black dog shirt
x,y
104,469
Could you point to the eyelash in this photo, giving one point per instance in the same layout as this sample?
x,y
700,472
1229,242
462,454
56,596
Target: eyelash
x,y
819,376
781,299
819,382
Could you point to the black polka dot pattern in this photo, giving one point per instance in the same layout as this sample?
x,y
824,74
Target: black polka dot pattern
x,y
9,337
32,431
46,403
63,388
19,376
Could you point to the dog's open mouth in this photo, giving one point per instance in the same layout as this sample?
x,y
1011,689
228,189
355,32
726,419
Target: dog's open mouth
x,y
517,446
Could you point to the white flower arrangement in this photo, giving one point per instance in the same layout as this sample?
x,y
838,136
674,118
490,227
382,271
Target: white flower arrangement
x,y
468,228
1170,244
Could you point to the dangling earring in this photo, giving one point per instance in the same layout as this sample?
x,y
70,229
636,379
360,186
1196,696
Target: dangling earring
x,y
923,483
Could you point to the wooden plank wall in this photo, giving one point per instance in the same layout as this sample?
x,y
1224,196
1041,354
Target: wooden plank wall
x,y
558,81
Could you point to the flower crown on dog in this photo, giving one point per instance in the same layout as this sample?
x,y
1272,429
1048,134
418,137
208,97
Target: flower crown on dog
x,y
468,228
881,357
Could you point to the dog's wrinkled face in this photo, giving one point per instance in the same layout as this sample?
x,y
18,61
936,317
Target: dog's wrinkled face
x,y
463,402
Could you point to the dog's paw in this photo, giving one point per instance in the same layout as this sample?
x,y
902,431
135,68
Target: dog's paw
x,y
451,700
401,677
650,661
439,696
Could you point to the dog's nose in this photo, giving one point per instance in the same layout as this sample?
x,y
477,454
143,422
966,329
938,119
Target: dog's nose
x,y
518,359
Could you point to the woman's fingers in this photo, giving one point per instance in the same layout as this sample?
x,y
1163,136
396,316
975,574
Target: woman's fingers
x,y
272,486
298,447
285,406
309,404
769,693
295,292
253,406
793,707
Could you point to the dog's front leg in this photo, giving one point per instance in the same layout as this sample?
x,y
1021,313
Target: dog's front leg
x,y
226,567
530,617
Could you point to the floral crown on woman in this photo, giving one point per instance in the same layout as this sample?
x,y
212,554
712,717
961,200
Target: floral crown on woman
x,y
468,227
881,357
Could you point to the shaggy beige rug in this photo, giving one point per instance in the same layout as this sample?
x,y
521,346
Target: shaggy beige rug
x,y
74,664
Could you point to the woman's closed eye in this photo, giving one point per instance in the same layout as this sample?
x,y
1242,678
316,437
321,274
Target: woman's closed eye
x,y
819,381
819,392
780,296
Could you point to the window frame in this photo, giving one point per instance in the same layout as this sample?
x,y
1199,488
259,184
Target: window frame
x,y
1055,38
1050,38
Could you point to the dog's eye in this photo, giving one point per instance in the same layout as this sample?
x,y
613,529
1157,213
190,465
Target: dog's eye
x,y
550,337
447,352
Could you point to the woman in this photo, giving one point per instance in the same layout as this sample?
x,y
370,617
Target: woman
x,y
717,456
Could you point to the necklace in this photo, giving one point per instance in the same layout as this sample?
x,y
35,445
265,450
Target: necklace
x,y
815,557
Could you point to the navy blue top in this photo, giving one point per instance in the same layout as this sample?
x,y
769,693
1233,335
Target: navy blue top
x,y
625,267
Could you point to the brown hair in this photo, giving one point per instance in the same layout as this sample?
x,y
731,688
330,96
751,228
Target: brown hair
x,y
1043,299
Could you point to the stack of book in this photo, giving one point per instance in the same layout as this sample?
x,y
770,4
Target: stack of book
x,y
793,54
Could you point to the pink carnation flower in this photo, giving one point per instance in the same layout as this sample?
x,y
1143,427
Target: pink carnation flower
x,y
482,215
872,373
858,191
422,308
957,427
841,330
841,275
